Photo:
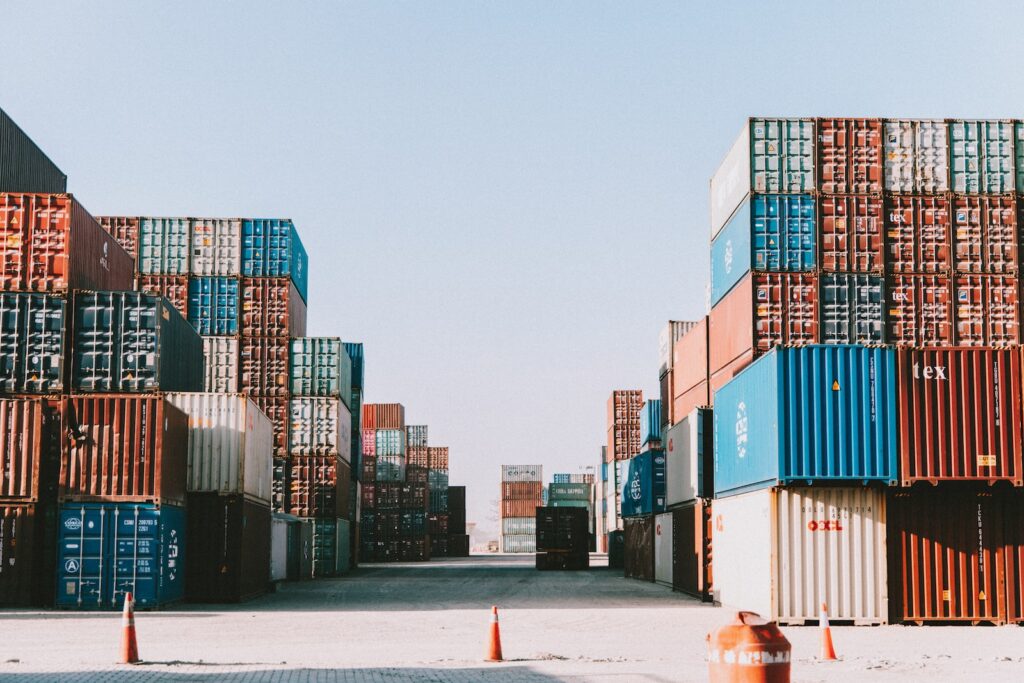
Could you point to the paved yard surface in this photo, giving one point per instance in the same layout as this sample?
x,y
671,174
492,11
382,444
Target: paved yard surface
x,y
417,623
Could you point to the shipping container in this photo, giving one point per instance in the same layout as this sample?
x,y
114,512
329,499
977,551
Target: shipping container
x,y
819,414
124,229
852,308
228,548
520,507
692,549
416,436
412,523
319,487
764,310
519,490
916,156
985,235
670,334
563,530
770,155
320,426
437,457
689,459
28,541
277,410
330,543
264,366
852,230
164,245
981,158
650,422
783,552
769,233
50,243
280,536
213,305
107,550
569,491
271,248
272,307
519,525
390,442
355,352
456,509
281,487
384,416
133,342
918,234
30,444
689,377
522,473
33,343
663,548
390,468
850,156
221,365
643,486
174,288
987,310
638,550
217,246
320,366
920,311
960,415
23,166
414,496
458,545
230,445
518,544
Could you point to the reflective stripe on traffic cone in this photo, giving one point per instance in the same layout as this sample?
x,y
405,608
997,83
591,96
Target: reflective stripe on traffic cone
x,y
494,648
129,647
827,651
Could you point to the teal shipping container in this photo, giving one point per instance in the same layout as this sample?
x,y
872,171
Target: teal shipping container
x,y
164,245
320,366
355,352
271,248
770,233
568,491
801,416
650,421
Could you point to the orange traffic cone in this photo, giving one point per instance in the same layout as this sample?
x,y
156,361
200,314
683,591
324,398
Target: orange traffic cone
x,y
494,649
827,651
129,646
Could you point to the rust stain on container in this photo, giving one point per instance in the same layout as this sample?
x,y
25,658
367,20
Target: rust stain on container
x,y
264,363
986,310
383,416
920,311
272,307
276,408
172,287
851,229
319,487
849,155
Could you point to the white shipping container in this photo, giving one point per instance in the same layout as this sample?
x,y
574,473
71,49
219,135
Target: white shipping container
x,y
670,334
278,548
783,552
320,426
518,526
522,473
518,544
216,246
682,446
663,548
230,444
916,156
221,363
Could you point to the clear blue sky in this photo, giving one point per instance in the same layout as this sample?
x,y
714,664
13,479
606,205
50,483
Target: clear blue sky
x,y
503,200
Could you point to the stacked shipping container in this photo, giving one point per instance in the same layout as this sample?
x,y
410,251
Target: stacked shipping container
x,y
521,494
624,408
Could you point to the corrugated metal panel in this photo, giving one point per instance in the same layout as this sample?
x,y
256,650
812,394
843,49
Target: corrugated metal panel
x,y
852,233
689,453
987,310
918,234
417,436
264,366
960,415
320,426
230,444
276,408
217,246
228,548
320,366
174,288
518,526
981,157
355,352
670,334
692,549
663,548
782,155
163,246
271,248
920,311
281,487
30,443
916,156
390,442
24,167
213,305
650,422
521,490
279,538
319,487
816,414
28,542
1018,130
638,558
221,367
124,229
690,360
852,308
986,234
33,330
520,507
731,181
390,468
272,307
850,156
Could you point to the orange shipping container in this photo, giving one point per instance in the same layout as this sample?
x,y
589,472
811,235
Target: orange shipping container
x,y
519,508
173,287
30,442
986,234
522,490
124,229
437,457
697,397
417,456
383,416
690,359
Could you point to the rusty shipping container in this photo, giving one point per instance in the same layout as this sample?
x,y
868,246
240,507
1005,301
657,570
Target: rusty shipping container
x,y
272,307
918,234
383,416
520,507
692,549
437,457
30,442
281,487
28,547
227,548
124,448
849,156
639,550
985,235
319,487
920,311
960,415
124,229
851,229
418,456
50,243
987,311
519,490
264,366
276,408
24,167
174,288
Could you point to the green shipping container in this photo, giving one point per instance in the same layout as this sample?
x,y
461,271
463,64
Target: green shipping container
x,y
320,366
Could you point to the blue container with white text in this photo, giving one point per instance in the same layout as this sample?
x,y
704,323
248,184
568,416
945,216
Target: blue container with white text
x,y
643,485
271,248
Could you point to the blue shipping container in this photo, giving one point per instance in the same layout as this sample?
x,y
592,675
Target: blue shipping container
x,y
560,479
773,233
355,352
213,305
643,487
650,421
807,415
106,550
271,248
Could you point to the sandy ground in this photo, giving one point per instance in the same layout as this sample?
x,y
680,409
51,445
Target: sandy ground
x,y
429,623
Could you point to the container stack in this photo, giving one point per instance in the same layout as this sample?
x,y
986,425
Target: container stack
x,y
458,539
573,491
624,408
521,494
563,540
437,480
357,358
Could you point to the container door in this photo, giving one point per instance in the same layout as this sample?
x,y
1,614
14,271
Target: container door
x,y
663,532
81,556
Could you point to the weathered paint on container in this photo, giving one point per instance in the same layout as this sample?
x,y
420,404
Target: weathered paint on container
x,y
916,156
769,233
852,308
319,487
987,311
217,246
643,486
24,167
50,243
222,365
276,408
985,235
820,414
264,366
124,229
663,548
124,448
28,541
33,338
107,550
782,552
852,233
692,526
520,507
330,544
30,443
981,158
130,341
689,459
356,353
214,305
271,248
638,557
849,156
770,155
174,288
272,307
320,426
164,245
960,415
920,311
650,422
230,445
320,366
228,548
918,234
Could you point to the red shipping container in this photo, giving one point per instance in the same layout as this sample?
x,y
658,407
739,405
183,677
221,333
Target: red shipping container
x,y
959,413
519,508
383,416
850,155
985,231
918,234
124,229
276,408
124,448
987,312
30,443
762,311
417,456
697,397
50,243
28,550
851,231
369,441
920,311
522,490
437,457
319,487
264,362
272,307
690,359
173,287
